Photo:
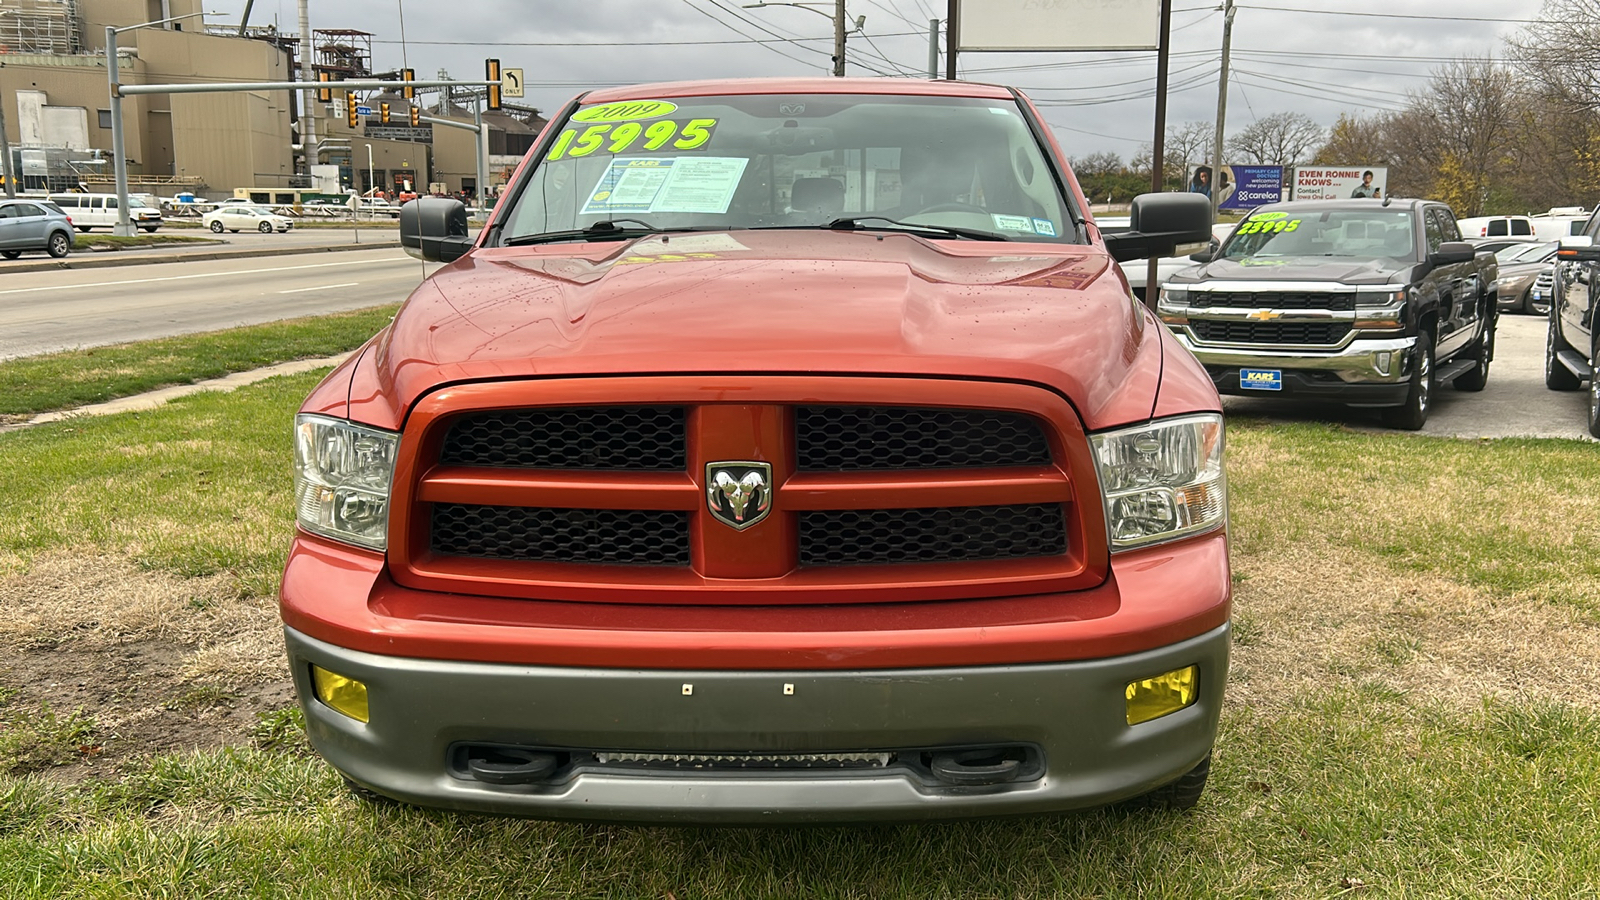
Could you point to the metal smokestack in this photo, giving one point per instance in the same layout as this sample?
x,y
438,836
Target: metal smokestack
x,y
308,96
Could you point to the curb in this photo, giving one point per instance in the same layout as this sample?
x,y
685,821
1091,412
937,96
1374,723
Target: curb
x,y
134,258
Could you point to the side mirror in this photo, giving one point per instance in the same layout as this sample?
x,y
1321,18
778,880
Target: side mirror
x,y
1453,252
435,229
1578,248
1159,223
1208,254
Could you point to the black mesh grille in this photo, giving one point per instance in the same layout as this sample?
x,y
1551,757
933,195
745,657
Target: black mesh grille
x,y
612,536
1272,300
842,438
595,437
1270,332
954,534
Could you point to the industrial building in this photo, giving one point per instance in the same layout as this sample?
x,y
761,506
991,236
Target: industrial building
x,y
57,117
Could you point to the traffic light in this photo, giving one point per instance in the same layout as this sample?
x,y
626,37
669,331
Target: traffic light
x,y
416,117
350,109
324,94
383,113
408,76
492,74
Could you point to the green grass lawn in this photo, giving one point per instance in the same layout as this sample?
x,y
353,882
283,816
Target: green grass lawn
x,y
73,378
1412,709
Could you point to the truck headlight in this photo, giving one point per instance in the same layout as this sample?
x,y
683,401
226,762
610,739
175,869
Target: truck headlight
x,y
342,473
1381,309
1162,480
1172,305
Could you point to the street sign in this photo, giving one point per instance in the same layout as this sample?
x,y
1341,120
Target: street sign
x,y
511,82
363,110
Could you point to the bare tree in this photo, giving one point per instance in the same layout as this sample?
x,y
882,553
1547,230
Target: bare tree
x,y
1189,145
1561,50
1283,138
1102,163
1474,106
1354,140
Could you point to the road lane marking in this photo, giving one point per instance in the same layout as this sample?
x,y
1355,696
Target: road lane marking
x,y
68,287
320,287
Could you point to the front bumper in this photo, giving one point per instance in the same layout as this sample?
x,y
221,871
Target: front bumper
x,y
1071,713
1370,371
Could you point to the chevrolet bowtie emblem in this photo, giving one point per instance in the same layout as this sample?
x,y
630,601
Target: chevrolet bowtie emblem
x,y
739,492
1262,315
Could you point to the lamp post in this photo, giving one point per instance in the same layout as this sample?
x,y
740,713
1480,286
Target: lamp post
x,y
372,178
838,20
119,160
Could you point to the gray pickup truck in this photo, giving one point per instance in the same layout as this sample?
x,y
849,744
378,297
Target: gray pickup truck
x,y
1364,302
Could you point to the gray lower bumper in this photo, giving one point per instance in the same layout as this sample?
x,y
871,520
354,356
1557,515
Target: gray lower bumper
x,y
1072,713
1372,361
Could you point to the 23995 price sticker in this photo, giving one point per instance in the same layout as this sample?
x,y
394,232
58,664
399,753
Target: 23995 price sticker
x,y
614,138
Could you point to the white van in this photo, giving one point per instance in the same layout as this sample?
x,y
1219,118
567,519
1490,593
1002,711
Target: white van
x,y
100,211
1496,226
1560,222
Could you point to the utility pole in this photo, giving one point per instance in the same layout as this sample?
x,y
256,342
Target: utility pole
x,y
6,169
308,98
1158,145
952,38
1222,105
933,49
838,40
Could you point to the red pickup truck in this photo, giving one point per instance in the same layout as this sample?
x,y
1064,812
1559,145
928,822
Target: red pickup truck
x,y
779,451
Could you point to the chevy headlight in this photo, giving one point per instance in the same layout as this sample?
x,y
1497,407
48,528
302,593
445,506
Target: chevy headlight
x,y
1162,480
342,473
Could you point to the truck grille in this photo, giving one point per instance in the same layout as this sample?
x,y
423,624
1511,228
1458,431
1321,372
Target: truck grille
x,y
595,437
881,536
845,438
1272,300
504,489
1269,332
631,537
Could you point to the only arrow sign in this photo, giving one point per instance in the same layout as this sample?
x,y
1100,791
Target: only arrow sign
x,y
511,83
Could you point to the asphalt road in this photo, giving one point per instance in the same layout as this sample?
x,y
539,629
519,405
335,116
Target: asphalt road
x,y
1515,403
41,312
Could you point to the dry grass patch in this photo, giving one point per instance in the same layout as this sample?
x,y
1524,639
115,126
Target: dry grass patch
x,y
1317,618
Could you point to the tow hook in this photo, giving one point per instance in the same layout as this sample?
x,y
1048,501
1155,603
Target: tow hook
x,y
976,767
506,765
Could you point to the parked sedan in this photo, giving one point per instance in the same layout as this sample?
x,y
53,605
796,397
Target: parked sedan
x,y
1520,266
33,225
254,218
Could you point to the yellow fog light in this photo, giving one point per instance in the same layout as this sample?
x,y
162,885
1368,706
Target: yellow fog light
x,y
1155,697
349,696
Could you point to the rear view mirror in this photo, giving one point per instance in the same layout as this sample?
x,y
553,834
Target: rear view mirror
x,y
435,229
1453,252
1578,248
1159,223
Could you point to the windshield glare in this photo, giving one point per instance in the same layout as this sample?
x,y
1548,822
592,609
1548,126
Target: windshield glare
x,y
1332,232
758,161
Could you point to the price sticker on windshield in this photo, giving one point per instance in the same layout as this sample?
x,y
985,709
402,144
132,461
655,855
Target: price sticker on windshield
x,y
1273,222
624,137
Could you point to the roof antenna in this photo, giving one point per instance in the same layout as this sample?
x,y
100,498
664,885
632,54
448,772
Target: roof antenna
x,y
1387,198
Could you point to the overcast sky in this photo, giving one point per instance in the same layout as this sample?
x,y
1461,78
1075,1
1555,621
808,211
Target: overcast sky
x,y
1357,56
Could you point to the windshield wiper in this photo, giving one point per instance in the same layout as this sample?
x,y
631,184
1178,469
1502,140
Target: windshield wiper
x,y
608,230
854,223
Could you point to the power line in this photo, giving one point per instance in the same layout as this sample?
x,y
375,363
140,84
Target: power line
x,y
1372,15
748,40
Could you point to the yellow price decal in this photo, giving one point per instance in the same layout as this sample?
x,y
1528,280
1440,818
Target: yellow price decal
x,y
1273,225
626,111
621,138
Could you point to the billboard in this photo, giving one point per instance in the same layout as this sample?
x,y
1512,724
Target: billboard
x,y
1059,25
1340,182
1247,187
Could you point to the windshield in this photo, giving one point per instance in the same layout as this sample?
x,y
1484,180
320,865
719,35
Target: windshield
x,y
1524,252
786,161
1328,232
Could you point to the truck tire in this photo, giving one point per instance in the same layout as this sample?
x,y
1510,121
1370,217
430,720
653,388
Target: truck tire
x,y
1181,794
1413,414
1556,376
1481,351
1594,390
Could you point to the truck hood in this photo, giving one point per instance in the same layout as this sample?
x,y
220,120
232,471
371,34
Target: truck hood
x,y
1343,270
774,302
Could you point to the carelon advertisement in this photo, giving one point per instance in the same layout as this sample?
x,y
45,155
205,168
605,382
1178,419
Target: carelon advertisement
x,y
1247,187
1340,182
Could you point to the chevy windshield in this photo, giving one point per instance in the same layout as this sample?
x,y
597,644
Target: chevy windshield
x,y
943,166
1330,232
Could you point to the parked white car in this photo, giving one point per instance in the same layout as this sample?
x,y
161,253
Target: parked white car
x,y
239,218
